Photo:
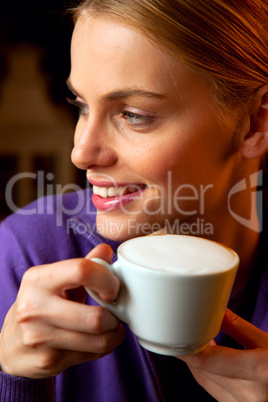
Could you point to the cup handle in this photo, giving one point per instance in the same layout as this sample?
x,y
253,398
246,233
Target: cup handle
x,y
117,308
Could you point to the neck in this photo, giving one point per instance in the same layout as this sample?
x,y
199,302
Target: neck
x,y
242,239
245,243
235,219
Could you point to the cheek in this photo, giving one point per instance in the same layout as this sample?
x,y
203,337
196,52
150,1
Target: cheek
x,y
155,162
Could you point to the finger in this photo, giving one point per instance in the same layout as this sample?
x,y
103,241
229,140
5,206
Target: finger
x,y
65,275
219,360
243,332
212,343
212,383
231,363
102,281
50,362
103,251
35,337
225,388
72,316
88,343
44,365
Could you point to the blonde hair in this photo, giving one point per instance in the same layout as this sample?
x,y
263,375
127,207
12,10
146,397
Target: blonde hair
x,y
224,40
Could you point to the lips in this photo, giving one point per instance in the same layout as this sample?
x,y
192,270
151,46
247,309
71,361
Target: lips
x,y
108,192
107,196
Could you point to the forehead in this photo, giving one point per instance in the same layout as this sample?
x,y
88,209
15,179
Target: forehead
x,y
107,56
102,46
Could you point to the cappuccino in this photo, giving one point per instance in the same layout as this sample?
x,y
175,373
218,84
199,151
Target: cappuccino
x,y
178,254
173,290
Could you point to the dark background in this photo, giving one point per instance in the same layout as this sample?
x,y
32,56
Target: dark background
x,y
47,26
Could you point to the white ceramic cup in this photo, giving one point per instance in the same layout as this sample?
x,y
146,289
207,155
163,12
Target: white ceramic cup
x,y
174,290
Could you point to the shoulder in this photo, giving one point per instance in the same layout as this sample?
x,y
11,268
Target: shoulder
x,y
260,314
41,231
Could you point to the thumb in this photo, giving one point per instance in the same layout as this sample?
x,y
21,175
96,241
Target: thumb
x,y
245,333
105,283
103,251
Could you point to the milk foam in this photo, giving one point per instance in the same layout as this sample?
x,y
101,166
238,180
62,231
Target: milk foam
x,y
177,253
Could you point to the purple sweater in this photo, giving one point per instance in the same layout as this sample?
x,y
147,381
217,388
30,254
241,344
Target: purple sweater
x,y
63,227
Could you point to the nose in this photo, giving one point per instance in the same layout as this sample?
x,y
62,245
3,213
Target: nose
x,y
92,146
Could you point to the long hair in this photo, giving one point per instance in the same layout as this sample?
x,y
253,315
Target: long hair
x,y
225,40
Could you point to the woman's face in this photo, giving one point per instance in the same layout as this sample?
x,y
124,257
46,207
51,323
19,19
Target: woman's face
x,y
149,135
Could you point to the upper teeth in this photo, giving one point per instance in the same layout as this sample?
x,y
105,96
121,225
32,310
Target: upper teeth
x,y
106,192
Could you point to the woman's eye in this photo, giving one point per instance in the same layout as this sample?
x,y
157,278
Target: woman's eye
x,y
136,119
82,107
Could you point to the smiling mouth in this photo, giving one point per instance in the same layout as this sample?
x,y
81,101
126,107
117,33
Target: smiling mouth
x,y
109,192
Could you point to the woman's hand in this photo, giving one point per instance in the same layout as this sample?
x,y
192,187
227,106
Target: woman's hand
x,y
49,328
231,375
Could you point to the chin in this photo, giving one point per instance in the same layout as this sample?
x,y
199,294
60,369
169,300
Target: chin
x,y
119,236
112,229
122,230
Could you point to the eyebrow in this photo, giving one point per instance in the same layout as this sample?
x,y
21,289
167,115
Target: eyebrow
x,y
120,94
129,92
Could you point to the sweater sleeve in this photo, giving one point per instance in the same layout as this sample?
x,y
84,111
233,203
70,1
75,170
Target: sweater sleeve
x,y
33,239
12,267
14,389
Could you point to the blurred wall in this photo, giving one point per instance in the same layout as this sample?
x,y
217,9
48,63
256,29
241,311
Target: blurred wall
x,y
36,123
